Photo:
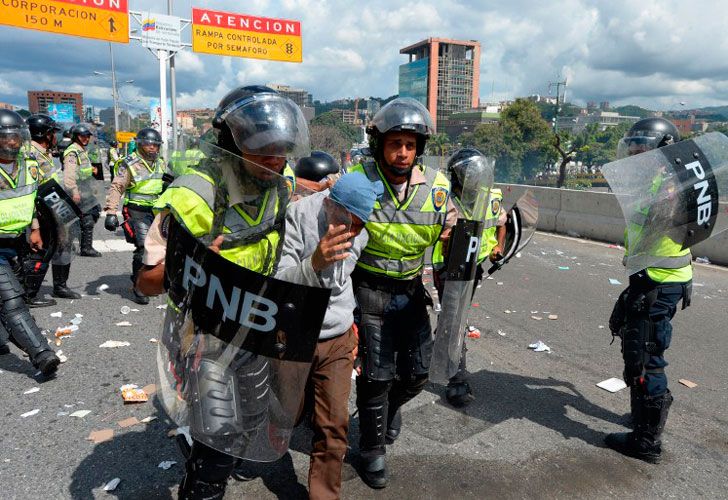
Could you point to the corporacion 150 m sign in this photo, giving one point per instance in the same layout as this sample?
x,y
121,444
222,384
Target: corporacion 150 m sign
x,y
241,35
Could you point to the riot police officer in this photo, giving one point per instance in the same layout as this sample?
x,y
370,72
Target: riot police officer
x,y
78,180
140,180
491,248
643,313
18,184
394,328
35,264
112,156
236,201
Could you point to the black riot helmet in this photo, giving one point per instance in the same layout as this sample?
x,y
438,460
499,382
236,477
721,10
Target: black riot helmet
x,y
80,130
148,137
258,120
403,114
41,126
317,166
458,165
13,133
647,134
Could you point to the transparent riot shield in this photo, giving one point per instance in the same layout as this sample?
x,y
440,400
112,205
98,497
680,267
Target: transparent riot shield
x,y
520,228
61,214
237,344
461,264
671,198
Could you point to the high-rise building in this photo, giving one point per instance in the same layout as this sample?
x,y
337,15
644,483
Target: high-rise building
x,y
442,74
38,100
5,105
299,96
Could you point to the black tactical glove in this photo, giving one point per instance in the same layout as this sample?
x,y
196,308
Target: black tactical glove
x,y
111,222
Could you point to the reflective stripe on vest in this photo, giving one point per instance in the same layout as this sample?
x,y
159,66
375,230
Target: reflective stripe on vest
x,y
17,204
146,181
85,169
399,233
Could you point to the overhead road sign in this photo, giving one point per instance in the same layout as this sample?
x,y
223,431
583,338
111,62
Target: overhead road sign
x,y
241,35
161,32
100,19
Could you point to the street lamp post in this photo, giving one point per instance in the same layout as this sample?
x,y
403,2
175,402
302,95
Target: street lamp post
x,y
114,91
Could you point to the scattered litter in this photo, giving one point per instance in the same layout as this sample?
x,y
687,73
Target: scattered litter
x,y
125,310
559,252
30,413
132,394
499,283
518,255
63,331
702,260
539,347
162,306
185,431
102,287
553,316
31,391
534,312
166,464
537,318
58,314
115,343
614,246
111,485
507,311
76,321
69,406
687,383
148,419
475,304
612,384
61,414
601,327
128,422
95,298
473,332
501,333
489,278
700,284
154,341
149,389
564,268
134,310
123,323
80,413
100,436
613,281
172,433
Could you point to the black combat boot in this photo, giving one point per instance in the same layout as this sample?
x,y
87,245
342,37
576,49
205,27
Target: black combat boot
x,y
649,417
394,426
371,442
60,276
39,301
87,239
139,297
207,471
458,392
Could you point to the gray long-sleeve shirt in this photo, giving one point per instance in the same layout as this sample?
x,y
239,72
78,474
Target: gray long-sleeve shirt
x,y
306,224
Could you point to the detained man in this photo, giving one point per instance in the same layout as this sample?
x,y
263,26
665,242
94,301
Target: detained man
x,y
324,239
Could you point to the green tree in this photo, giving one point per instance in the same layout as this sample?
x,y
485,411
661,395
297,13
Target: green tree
x,y
439,144
333,119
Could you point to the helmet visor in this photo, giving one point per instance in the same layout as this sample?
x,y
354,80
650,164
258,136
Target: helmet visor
x,y
268,125
11,140
404,114
634,145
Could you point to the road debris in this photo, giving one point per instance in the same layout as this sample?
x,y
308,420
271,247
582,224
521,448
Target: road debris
x,y
473,332
63,331
123,323
162,306
539,346
31,391
537,318
154,341
553,316
148,419
613,281
102,287
80,413
501,333
612,384
564,268
702,260
687,383
58,314
62,356
128,422
115,343
30,413
111,485
125,310
100,436
166,464
132,394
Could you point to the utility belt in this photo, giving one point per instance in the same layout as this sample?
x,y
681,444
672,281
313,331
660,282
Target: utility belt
x,y
641,283
139,208
366,279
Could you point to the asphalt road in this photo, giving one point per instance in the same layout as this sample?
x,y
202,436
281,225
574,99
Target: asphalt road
x,y
535,430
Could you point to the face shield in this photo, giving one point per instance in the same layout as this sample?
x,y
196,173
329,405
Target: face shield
x,y
268,125
11,140
636,144
149,149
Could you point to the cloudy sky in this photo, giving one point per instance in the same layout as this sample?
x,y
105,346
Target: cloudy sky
x,y
653,53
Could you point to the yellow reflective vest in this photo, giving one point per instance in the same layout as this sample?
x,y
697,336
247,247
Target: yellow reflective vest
x,y
85,169
181,161
401,232
17,201
251,242
676,263
146,180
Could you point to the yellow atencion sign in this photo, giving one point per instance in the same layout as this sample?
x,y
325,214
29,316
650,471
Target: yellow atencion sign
x,y
123,136
240,35
101,19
